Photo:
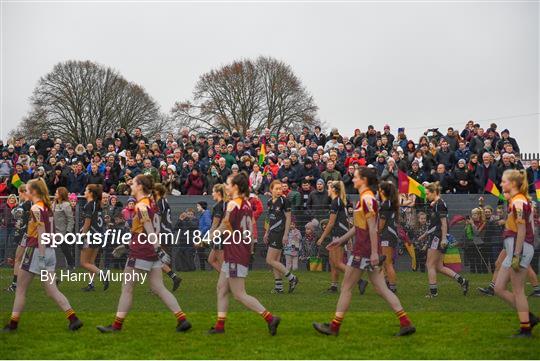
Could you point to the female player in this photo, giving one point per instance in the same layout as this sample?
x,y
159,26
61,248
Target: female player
x,y
236,230
365,257
387,229
279,217
518,244
338,225
145,256
165,228
215,258
93,224
39,257
437,242
21,214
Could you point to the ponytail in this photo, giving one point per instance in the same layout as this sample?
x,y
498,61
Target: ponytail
x,y
339,188
519,177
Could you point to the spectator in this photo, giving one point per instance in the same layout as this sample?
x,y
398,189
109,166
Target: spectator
x,y
194,184
318,202
484,172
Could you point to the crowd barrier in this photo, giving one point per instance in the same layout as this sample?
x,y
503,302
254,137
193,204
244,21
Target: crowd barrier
x,y
469,255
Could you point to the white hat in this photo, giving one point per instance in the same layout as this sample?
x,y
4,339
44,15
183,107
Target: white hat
x,y
173,167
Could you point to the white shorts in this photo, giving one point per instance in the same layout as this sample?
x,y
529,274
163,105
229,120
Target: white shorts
x,y
142,264
30,261
233,270
526,254
358,262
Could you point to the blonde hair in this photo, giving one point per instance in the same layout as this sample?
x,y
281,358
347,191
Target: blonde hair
x,y
220,188
434,187
339,188
38,185
480,211
519,177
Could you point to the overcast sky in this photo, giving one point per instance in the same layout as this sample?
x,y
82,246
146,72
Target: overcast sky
x,y
414,64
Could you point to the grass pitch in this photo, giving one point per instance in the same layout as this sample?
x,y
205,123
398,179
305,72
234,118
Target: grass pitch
x,y
449,327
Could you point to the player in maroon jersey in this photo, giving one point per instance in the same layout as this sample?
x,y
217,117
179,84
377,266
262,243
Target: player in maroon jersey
x,y
145,255
364,258
39,258
236,230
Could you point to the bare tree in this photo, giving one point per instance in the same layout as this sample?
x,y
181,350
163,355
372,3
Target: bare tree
x,y
79,101
248,95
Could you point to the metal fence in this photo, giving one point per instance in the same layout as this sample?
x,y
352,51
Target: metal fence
x,y
473,251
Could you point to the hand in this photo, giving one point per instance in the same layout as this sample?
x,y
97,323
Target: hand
x,y
336,242
285,240
319,242
515,263
374,260
265,238
163,256
444,242
41,263
119,251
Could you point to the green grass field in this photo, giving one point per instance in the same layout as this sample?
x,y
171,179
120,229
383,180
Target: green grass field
x,y
449,327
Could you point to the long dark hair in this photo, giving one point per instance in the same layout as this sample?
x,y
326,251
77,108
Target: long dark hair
x,y
390,192
241,180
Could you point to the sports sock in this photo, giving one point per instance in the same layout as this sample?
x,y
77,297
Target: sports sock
x,y
433,289
336,323
458,278
14,280
118,322
171,275
334,284
13,322
220,323
278,284
289,276
392,287
404,320
267,315
70,315
525,327
180,316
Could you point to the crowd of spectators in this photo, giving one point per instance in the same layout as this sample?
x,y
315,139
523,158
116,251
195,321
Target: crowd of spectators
x,y
191,164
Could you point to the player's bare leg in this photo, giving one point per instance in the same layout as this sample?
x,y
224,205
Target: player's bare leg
x,y
377,279
222,292
388,266
273,259
158,288
350,279
16,265
88,259
237,288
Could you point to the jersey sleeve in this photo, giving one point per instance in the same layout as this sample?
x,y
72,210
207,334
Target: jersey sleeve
x,y
385,211
88,210
518,210
442,209
218,211
37,216
334,206
143,213
370,207
286,205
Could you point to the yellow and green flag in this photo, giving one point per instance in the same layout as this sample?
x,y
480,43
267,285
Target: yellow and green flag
x,y
16,181
408,185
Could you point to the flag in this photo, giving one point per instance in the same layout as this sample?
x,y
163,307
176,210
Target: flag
x,y
262,154
16,181
537,186
408,185
452,259
492,188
